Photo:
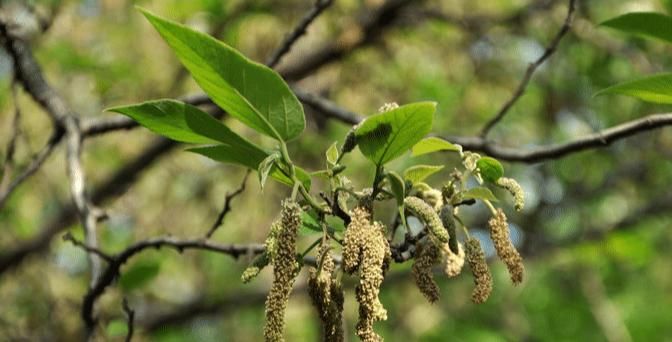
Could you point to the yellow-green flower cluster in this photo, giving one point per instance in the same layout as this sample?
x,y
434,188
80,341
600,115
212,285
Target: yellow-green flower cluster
x,y
366,249
282,255
515,190
327,296
499,233
428,255
428,215
480,270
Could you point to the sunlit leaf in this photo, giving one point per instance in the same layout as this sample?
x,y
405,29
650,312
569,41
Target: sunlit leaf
x,y
249,91
657,89
385,136
479,193
433,144
332,154
419,173
397,186
647,24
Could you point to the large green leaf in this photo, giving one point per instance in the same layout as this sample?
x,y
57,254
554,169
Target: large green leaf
x,y
657,88
249,91
166,117
433,144
385,136
648,24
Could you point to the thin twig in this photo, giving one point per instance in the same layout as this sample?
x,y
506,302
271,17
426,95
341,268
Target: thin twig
x,y
130,319
227,206
531,70
89,249
298,31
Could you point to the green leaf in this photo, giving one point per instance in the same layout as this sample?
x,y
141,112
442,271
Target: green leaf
x,y
225,154
397,186
310,222
433,144
266,166
165,117
139,274
480,193
491,169
657,89
249,91
647,24
418,173
332,154
116,328
385,136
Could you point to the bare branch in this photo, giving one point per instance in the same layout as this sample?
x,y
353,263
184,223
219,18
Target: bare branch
x,y
118,260
227,206
130,319
298,31
530,71
89,249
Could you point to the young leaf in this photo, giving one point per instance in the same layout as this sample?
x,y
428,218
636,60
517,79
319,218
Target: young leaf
x,y
249,91
418,173
167,118
491,169
309,221
332,154
480,193
226,154
657,89
433,144
385,136
397,186
647,24
266,166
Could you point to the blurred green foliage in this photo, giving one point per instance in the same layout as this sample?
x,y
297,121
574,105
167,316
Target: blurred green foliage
x,y
595,230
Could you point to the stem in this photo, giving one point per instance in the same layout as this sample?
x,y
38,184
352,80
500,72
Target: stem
x,y
464,227
311,247
492,207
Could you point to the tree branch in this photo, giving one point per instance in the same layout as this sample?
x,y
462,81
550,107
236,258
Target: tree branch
x,y
298,31
530,71
227,206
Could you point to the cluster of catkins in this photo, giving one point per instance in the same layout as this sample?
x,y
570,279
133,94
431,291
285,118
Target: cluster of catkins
x,y
366,251
441,244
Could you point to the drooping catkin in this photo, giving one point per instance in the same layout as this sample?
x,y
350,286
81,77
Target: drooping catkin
x,y
499,233
433,197
429,216
285,269
515,190
327,296
454,261
480,270
446,215
366,249
428,255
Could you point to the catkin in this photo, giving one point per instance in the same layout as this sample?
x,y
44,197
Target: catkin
x,y
428,215
366,249
446,215
427,256
285,269
499,233
515,190
454,261
327,296
433,197
480,270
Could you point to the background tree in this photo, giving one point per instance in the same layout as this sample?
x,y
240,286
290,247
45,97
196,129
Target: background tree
x,y
593,233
